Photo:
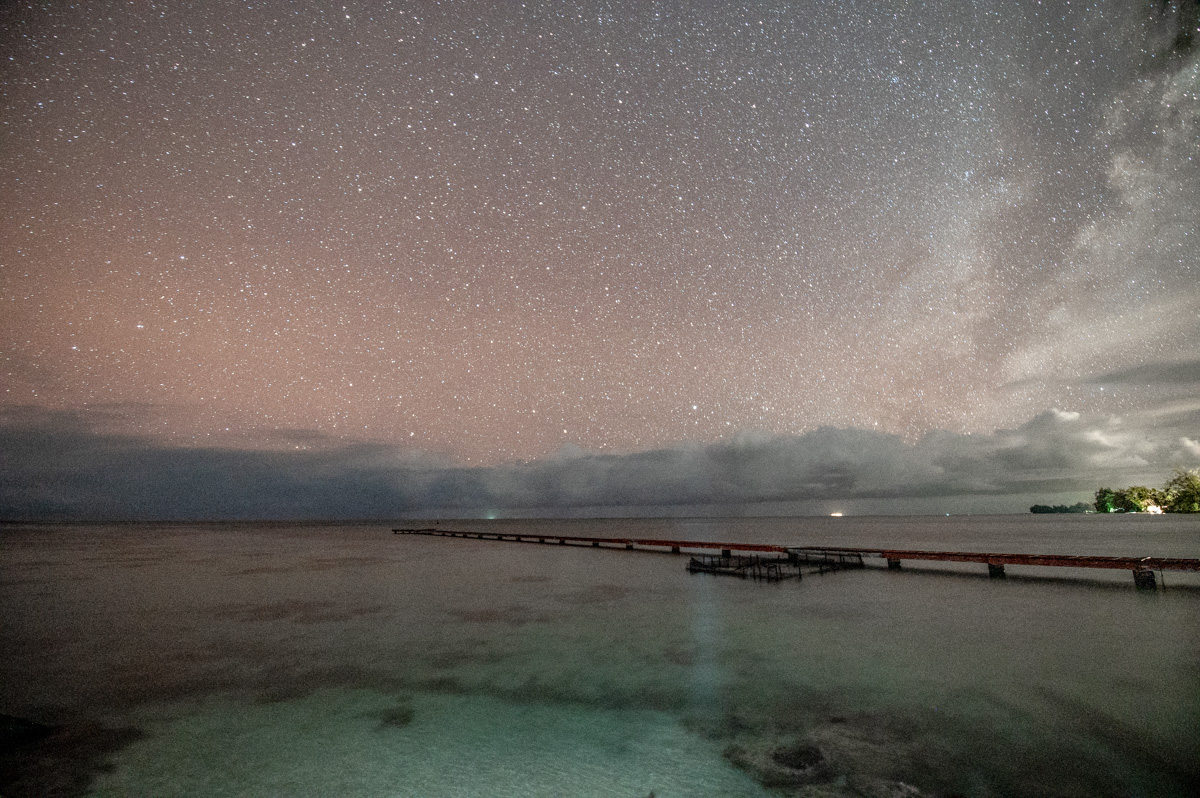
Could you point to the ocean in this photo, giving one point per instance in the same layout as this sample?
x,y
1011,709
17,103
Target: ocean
x,y
293,659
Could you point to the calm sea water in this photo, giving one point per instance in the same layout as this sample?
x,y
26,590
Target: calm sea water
x,y
315,660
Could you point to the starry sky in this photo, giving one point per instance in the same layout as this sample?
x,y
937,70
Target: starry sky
x,y
508,254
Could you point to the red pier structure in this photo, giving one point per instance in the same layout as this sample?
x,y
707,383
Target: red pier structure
x,y
834,557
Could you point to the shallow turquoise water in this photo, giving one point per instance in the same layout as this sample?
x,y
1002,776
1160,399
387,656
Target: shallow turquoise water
x,y
310,660
347,742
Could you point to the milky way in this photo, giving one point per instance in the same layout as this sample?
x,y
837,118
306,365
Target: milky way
x,y
492,230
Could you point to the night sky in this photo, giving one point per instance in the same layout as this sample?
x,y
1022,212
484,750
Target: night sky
x,y
268,259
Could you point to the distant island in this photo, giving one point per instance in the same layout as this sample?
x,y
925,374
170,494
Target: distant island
x,y
1180,495
1081,507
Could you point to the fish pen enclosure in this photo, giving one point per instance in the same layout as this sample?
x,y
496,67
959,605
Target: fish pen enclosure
x,y
826,560
772,569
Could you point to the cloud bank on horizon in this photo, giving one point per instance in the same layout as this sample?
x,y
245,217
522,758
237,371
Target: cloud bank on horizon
x,y
58,467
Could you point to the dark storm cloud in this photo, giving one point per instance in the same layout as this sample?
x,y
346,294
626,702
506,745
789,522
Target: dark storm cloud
x,y
57,466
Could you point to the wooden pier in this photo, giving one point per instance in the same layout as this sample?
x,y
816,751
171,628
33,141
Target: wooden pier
x,y
790,559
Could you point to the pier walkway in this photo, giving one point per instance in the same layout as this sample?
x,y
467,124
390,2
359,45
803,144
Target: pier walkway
x,y
836,557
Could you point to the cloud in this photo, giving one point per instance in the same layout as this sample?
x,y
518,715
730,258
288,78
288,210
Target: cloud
x,y
1178,372
56,465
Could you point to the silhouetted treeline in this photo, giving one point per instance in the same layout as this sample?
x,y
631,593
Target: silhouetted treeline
x,y
1080,507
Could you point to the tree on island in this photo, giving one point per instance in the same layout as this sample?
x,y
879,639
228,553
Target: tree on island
x,y
1134,499
1180,495
1106,500
1183,491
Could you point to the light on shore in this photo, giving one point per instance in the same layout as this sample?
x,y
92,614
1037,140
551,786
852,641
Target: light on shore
x,y
836,515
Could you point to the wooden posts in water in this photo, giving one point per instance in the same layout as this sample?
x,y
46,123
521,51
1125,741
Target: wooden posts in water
x,y
826,560
772,569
